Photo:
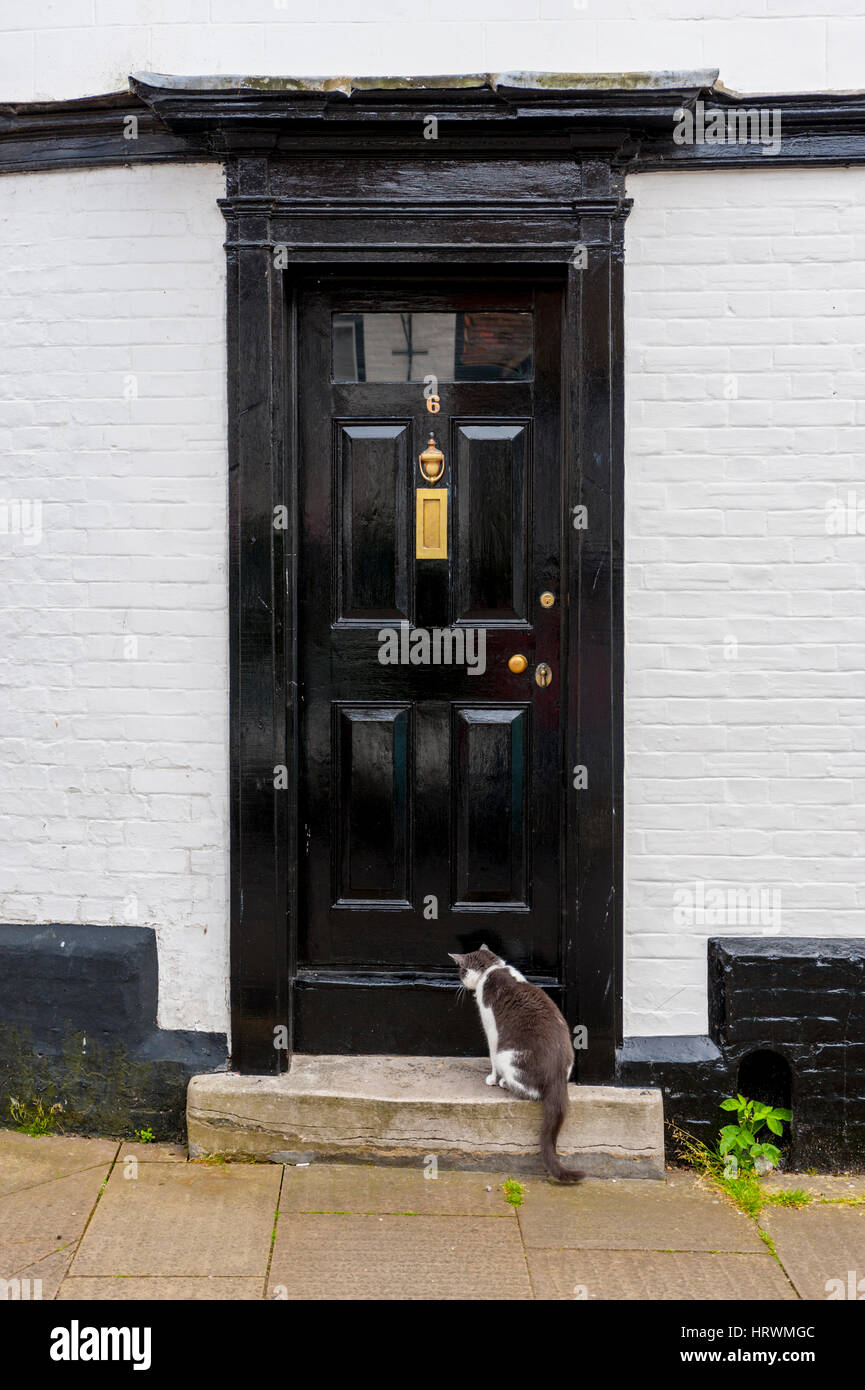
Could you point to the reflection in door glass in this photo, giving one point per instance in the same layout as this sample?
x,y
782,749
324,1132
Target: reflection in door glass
x,y
491,345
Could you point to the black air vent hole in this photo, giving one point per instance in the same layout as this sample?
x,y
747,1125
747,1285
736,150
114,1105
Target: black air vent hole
x,y
766,1076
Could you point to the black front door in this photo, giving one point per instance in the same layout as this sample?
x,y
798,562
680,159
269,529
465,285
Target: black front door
x,y
431,756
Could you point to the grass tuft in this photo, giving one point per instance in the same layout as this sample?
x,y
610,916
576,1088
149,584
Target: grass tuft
x,y
788,1197
514,1192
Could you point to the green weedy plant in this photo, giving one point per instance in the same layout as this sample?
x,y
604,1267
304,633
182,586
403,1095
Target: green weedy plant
x,y
33,1119
740,1147
744,1188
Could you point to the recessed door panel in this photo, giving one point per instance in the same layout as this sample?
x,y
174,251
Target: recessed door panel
x,y
489,786
492,549
371,465
371,804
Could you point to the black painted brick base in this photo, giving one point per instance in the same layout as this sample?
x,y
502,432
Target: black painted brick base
x,y
78,1027
800,998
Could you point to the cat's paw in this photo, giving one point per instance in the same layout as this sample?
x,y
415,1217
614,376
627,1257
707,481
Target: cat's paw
x,y
491,1079
503,1083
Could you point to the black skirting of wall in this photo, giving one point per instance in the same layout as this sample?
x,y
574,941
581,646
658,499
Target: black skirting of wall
x,y
786,1025
78,1028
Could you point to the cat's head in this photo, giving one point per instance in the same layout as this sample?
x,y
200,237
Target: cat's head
x,y
473,965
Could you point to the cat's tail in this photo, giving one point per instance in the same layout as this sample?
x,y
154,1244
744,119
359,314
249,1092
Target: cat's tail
x,y
555,1102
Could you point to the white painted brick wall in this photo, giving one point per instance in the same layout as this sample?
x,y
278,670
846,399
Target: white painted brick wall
x,y
68,48
743,768
113,765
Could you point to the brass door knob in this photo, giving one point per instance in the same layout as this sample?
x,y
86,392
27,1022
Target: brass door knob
x,y
517,664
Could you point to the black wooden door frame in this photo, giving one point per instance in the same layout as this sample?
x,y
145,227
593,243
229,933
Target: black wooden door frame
x,y
270,246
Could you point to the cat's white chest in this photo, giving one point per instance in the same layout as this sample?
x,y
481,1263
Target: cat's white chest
x,y
488,1021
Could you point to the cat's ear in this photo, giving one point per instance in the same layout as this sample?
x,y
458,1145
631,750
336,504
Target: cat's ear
x,y
485,947
458,960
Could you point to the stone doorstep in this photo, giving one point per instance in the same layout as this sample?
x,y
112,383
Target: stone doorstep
x,y
399,1110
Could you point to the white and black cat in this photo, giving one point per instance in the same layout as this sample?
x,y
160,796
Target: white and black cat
x,y
531,1053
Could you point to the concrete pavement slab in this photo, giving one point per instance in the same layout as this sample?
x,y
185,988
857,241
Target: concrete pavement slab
x,y
397,1257
182,1219
360,1189
628,1215
45,1276
819,1244
201,1231
655,1276
26,1159
36,1221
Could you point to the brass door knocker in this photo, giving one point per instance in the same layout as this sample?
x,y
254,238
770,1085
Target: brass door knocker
x,y
432,461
